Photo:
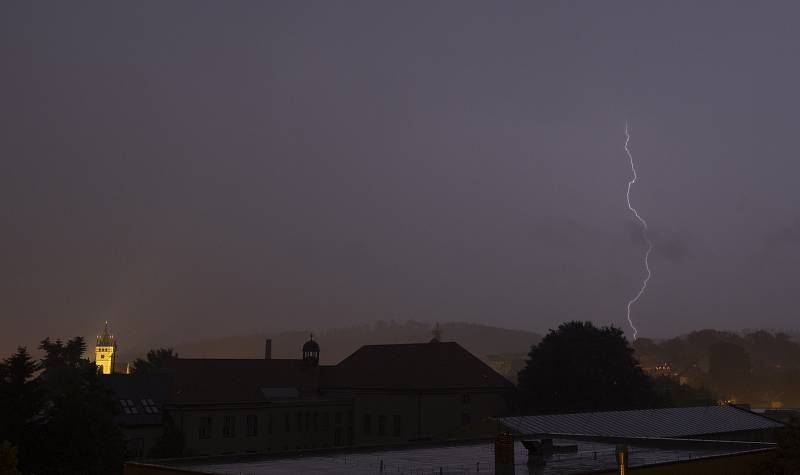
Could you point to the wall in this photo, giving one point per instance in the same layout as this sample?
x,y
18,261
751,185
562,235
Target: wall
x,y
424,415
737,464
310,426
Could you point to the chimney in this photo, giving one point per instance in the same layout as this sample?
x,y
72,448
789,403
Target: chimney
x,y
268,349
504,454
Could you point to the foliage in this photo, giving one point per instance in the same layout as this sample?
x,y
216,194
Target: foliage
x,y
156,360
20,401
670,393
61,412
171,442
786,459
8,459
757,367
580,367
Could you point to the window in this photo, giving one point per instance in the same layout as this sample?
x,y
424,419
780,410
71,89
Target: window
x,y
326,421
229,426
314,422
128,406
204,428
338,418
252,425
269,424
298,417
397,425
381,425
134,448
367,423
465,418
149,406
465,399
349,418
287,422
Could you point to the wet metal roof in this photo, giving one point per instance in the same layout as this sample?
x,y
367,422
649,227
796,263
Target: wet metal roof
x,y
469,458
669,422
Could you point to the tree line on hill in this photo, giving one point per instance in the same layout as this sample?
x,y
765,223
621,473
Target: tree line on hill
x,y
339,343
758,367
580,367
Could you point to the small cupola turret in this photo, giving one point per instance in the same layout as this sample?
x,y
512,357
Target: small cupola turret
x,y
311,352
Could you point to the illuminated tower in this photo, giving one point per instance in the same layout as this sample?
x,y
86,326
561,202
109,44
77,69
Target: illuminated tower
x,y
104,351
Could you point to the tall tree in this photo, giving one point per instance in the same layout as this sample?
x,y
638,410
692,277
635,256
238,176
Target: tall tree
x,y
580,367
156,361
78,433
20,400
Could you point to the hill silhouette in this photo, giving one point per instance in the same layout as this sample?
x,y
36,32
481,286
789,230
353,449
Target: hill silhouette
x,y
338,343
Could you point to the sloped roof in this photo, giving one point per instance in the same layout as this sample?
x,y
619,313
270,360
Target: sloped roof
x,y
668,422
136,389
434,365
238,380
106,338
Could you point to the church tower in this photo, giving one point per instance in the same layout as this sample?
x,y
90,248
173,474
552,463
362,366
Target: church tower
x,y
104,351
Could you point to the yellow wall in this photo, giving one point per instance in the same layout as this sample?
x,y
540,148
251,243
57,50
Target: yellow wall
x,y
104,358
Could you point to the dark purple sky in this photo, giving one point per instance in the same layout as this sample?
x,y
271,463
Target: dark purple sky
x,y
190,169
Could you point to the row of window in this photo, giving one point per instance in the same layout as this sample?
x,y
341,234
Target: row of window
x,y
397,425
300,422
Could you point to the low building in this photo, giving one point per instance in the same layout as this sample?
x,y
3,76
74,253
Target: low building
x,y
379,395
140,400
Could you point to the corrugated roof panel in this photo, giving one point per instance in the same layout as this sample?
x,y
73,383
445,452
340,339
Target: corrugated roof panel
x,y
668,422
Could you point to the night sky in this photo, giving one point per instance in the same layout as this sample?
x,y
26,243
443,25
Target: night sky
x,y
189,169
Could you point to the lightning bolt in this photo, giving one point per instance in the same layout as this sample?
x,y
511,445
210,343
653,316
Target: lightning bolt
x,y
644,234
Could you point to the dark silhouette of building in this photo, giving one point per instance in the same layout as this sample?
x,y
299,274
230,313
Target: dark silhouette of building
x,y
379,395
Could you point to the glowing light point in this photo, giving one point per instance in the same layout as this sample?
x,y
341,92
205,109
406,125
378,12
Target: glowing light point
x,y
644,234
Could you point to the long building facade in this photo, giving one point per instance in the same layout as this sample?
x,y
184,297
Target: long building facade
x,y
380,395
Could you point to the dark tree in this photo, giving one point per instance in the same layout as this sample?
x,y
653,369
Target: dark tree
x,y
171,442
729,368
78,433
580,367
156,361
8,459
20,401
670,393
786,459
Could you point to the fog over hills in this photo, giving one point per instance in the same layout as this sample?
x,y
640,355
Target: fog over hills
x,y
338,343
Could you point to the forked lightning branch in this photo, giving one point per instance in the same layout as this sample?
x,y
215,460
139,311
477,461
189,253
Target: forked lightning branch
x,y
644,235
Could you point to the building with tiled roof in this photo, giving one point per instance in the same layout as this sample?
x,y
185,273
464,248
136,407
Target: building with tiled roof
x,y
379,395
